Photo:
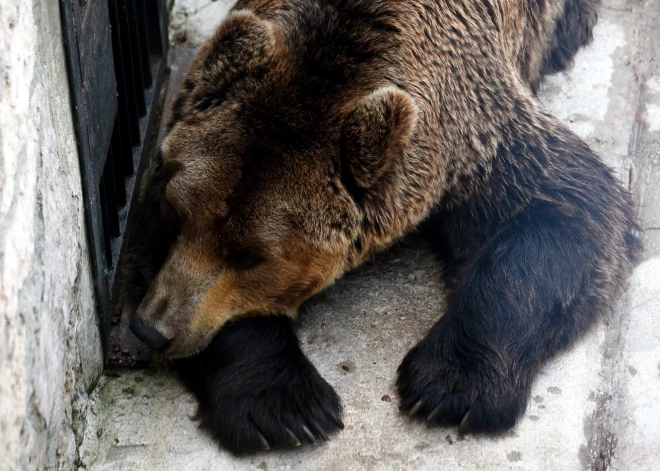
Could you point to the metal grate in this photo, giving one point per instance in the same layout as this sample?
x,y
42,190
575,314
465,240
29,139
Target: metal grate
x,y
137,46
116,54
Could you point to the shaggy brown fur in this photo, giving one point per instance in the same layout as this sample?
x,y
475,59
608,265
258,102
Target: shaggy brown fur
x,y
310,134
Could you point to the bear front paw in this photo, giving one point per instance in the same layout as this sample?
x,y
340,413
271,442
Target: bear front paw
x,y
449,386
258,391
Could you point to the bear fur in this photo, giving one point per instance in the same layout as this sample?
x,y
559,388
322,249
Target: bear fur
x,y
310,134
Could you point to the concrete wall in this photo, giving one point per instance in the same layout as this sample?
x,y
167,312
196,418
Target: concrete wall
x,y
50,350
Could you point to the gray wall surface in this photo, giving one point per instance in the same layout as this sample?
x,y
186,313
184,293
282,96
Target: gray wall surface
x,y
50,350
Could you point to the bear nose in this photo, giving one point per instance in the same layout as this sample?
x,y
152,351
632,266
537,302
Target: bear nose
x,y
148,334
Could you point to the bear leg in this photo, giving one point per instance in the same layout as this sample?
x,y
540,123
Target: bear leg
x,y
533,289
257,390
452,267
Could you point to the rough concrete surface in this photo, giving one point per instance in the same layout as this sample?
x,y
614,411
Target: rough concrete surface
x,y
594,407
50,353
638,427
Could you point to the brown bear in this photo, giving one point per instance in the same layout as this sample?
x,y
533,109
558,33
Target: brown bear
x,y
310,134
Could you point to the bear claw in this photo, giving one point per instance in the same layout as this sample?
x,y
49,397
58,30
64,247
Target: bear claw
x,y
464,426
293,440
416,408
310,436
264,443
451,410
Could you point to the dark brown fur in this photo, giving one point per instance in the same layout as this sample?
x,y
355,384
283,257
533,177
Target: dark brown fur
x,y
310,134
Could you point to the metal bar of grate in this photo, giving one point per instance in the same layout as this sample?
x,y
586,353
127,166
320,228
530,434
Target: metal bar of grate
x,y
136,57
116,151
153,28
104,218
129,129
143,36
124,69
110,189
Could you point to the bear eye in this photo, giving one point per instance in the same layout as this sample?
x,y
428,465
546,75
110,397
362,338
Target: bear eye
x,y
243,259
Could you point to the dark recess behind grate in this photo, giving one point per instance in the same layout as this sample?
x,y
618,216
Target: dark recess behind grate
x,y
116,51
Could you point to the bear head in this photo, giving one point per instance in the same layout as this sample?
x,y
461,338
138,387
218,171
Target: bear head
x,y
278,143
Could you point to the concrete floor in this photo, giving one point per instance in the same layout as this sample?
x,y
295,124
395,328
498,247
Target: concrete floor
x,y
595,407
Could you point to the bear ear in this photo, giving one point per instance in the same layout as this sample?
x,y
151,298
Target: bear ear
x,y
374,134
243,43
